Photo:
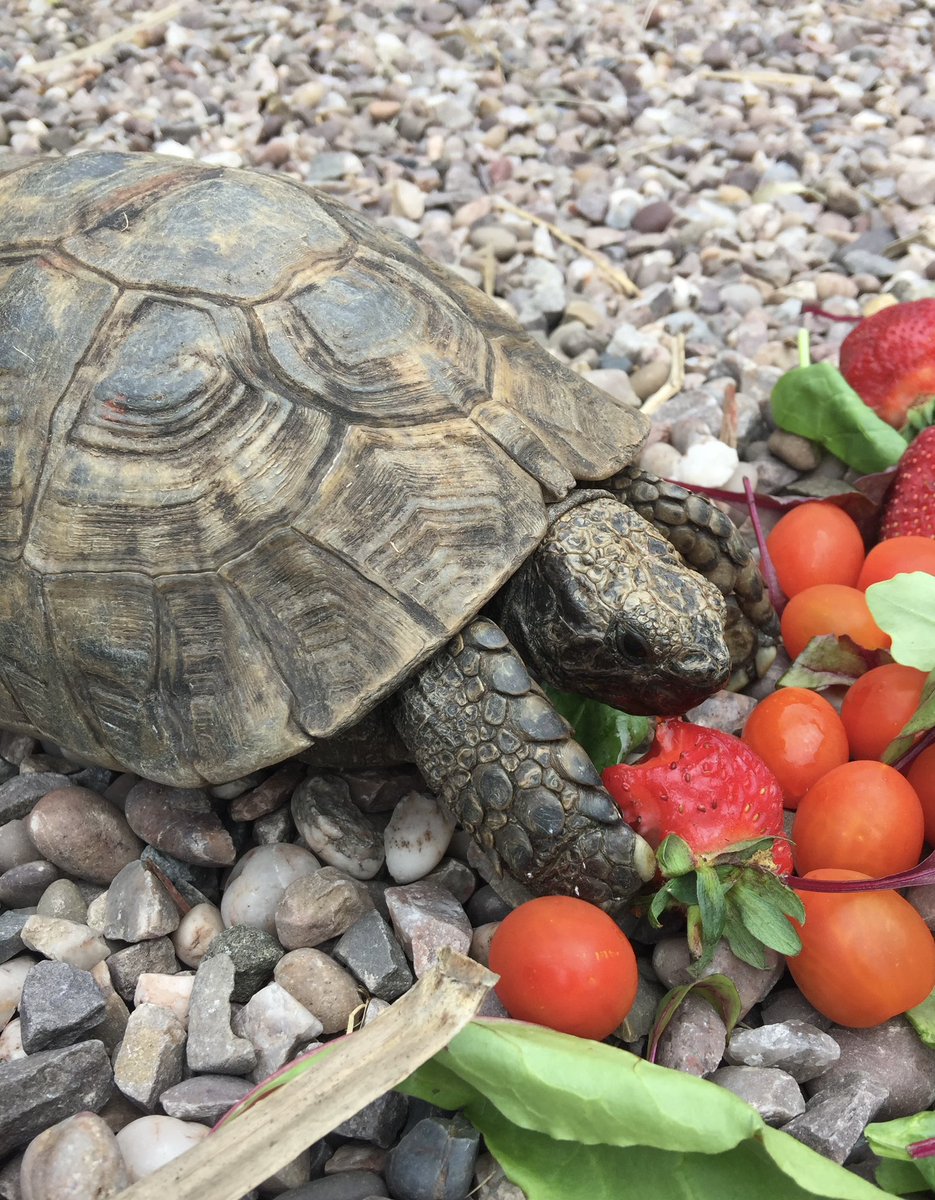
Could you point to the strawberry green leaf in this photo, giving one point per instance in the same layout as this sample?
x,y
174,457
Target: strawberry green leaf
x,y
674,856
780,895
762,918
660,902
712,906
829,661
717,990
904,607
741,941
607,734
922,719
816,402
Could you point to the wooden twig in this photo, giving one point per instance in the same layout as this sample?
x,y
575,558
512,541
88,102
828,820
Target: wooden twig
x,y
122,36
244,1152
617,276
673,385
765,77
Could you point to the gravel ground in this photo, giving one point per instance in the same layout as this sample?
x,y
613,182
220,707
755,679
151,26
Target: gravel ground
x,y
658,193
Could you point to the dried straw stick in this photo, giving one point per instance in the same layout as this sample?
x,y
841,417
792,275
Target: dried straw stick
x,y
245,1151
127,34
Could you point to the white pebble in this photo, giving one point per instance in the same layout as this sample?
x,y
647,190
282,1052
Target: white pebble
x,y
707,463
416,837
197,930
151,1142
65,941
253,894
173,992
12,974
11,1042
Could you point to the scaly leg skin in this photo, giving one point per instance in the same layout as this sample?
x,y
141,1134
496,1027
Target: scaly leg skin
x,y
710,544
490,744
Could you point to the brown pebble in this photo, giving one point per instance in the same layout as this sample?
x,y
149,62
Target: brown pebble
x,y
83,834
180,822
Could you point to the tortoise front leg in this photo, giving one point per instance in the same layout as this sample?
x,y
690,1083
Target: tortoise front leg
x,y
503,761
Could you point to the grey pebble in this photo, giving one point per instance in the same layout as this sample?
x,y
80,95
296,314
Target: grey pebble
x,y
893,1056
793,1046
16,846
835,1117
378,1122
59,1005
694,1039
127,965
773,1093
19,794
795,451
345,1185
373,955
426,918
212,1044
138,907
11,928
195,884
204,1098
41,1089
434,1160
63,898
22,886
254,954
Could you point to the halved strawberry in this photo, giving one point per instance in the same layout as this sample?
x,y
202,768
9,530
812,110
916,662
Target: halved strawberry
x,y
909,508
713,810
889,361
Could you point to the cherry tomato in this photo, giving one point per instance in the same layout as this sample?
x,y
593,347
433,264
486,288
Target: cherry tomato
x,y
895,556
866,956
799,736
921,775
830,608
565,964
878,705
815,543
862,816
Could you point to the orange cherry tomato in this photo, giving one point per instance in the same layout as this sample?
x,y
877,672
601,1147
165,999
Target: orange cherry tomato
x,y
862,816
565,964
921,775
815,543
895,556
878,705
799,736
830,608
866,956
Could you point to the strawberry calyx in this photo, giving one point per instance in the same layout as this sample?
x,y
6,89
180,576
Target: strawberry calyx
x,y
734,895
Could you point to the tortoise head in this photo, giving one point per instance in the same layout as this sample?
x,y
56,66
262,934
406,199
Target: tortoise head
x,y
607,609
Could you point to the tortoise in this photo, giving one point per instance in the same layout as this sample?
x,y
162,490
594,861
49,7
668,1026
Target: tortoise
x,y
272,481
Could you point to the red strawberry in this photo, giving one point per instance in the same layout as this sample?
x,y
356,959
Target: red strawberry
x,y
909,507
889,360
713,810
707,787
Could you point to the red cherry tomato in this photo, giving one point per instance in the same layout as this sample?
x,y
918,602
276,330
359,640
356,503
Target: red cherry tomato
x,y
799,736
830,608
895,556
878,705
921,775
565,964
815,543
866,956
863,816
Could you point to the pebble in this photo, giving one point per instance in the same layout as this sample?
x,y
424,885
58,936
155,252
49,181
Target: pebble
x,y
671,962
347,1185
44,1088
269,795
894,1057
64,941
378,1122
13,975
278,1027
694,1040
254,954
374,957
172,992
318,983
153,1141
203,1098
212,1044
59,1003
155,957
335,829
63,898
18,795
16,846
76,1159
800,1049
319,907
151,1057
427,918
83,834
138,907
416,837
195,932
180,822
773,1093
257,884
434,1160
835,1117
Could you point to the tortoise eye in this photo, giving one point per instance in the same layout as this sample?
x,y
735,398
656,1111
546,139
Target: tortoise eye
x,y
630,643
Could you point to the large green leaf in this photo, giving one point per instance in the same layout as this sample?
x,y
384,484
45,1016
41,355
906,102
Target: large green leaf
x,y
904,607
572,1119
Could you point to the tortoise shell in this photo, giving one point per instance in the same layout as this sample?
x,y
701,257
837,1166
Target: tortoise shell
x,y
257,460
